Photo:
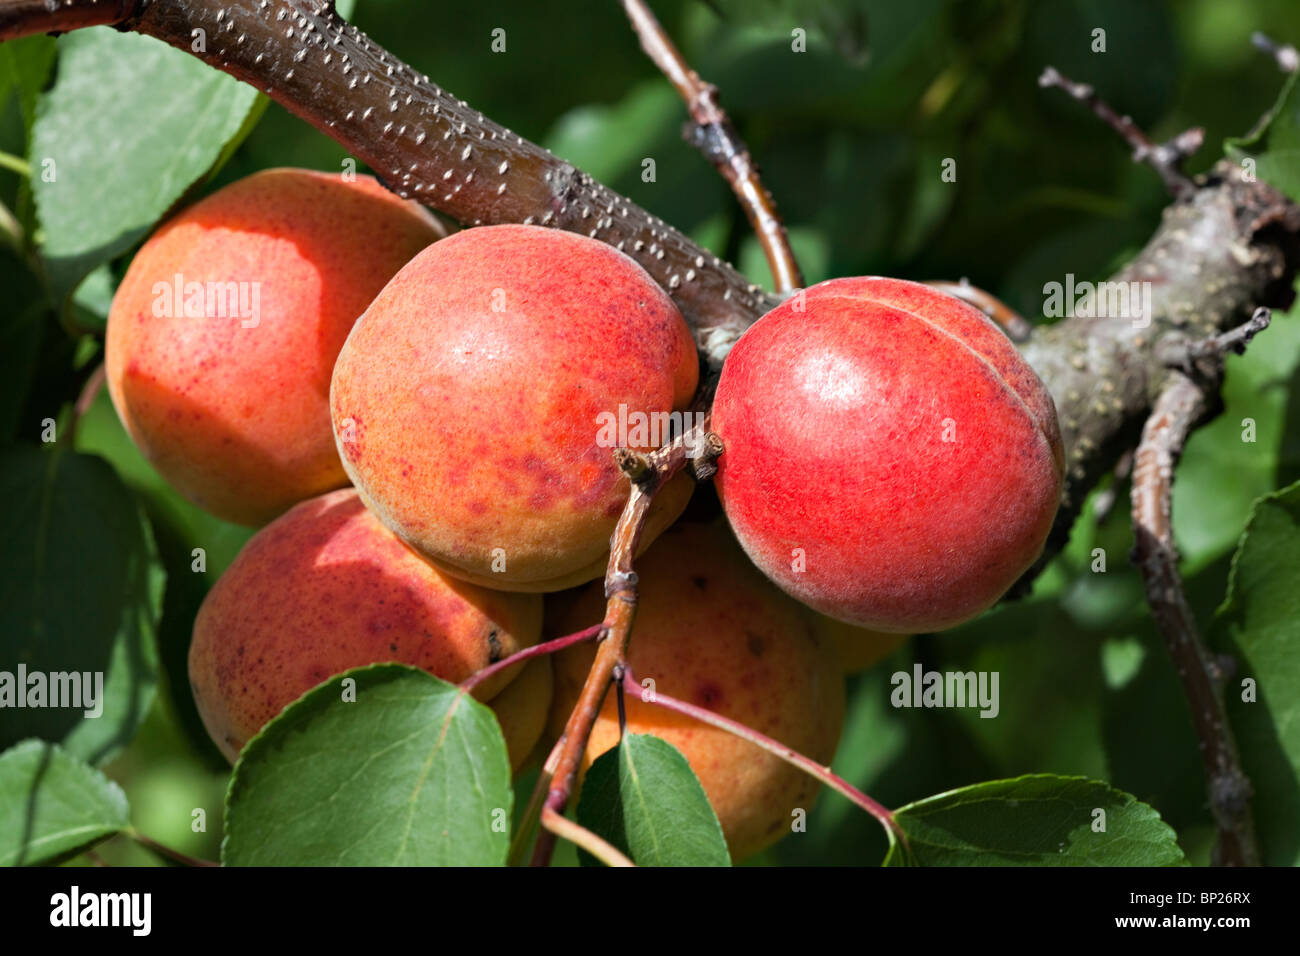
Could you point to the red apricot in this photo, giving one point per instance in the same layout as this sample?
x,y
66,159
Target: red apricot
x,y
472,401
712,631
325,588
891,460
223,333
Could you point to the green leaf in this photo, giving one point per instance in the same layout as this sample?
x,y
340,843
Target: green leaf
x,y
1037,820
81,592
842,23
1274,143
53,805
20,339
643,798
129,126
413,772
24,66
1259,624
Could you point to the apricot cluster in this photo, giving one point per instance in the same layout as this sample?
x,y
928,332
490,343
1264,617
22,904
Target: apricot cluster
x,y
890,462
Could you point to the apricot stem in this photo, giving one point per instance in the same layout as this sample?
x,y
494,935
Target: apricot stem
x,y
579,835
647,474
165,851
16,164
533,812
809,766
528,653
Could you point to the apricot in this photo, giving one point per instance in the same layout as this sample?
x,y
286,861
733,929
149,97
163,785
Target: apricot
x,y
223,334
474,399
325,588
891,460
712,631
858,649
523,708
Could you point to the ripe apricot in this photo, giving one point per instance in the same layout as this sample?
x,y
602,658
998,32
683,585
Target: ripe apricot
x,y
472,399
223,333
891,460
858,649
325,588
712,631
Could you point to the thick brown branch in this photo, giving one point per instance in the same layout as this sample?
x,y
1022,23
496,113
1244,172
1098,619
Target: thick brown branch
x,y
24,17
712,133
424,143
1227,247
1231,246
1181,405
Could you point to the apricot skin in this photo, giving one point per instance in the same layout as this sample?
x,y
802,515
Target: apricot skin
x,y
325,588
858,649
891,460
522,709
467,401
712,631
237,418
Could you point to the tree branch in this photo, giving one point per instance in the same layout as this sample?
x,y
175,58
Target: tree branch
x,y
1182,404
712,133
1227,247
24,17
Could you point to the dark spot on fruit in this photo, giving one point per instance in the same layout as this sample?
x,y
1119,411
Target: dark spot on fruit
x,y
708,693
700,581
393,648
757,646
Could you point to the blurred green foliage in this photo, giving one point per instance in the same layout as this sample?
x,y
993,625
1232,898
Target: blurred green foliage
x,y
851,136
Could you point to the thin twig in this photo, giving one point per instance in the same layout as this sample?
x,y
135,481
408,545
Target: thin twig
x,y
528,653
648,473
809,766
15,164
1284,54
86,398
1165,158
166,851
583,838
712,133
1180,407
1105,500
1007,318
532,814
1183,354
